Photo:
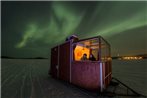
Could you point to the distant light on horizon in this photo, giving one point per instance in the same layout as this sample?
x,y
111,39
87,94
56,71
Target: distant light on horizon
x,y
132,58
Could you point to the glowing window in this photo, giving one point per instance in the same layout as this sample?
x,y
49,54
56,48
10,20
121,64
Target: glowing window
x,y
79,51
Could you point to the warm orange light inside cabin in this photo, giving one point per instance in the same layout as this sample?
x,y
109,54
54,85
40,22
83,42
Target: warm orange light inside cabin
x,y
79,51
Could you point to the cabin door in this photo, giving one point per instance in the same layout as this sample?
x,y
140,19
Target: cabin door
x,y
54,61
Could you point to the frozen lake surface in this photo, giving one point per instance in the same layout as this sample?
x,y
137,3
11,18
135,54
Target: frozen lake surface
x,y
132,72
28,78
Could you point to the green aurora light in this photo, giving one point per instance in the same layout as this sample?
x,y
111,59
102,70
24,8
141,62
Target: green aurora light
x,y
85,19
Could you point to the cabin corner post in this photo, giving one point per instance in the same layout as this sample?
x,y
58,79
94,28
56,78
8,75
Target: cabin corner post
x,y
101,65
101,77
99,51
71,58
110,60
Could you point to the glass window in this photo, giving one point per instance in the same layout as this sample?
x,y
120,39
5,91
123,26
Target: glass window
x,y
86,50
105,51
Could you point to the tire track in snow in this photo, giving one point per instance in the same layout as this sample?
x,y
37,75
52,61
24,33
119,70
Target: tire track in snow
x,y
37,90
10,78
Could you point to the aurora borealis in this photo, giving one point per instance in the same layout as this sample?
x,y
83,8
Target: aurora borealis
x,y
30,29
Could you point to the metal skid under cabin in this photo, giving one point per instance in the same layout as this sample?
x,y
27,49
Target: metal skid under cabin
x,y
85,63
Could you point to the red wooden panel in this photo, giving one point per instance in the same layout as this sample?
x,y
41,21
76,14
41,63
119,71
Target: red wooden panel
x,y
54,61
64,61
108,73
86,74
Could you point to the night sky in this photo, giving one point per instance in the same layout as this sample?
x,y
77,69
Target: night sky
x,y
30,29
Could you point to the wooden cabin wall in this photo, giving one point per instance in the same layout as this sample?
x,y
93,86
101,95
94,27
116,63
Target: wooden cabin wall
x,y
86,74
64,61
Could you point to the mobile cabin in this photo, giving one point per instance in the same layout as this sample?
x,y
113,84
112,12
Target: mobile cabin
x,y
67,63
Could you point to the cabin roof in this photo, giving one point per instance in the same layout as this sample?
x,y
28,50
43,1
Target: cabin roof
x,y
92,41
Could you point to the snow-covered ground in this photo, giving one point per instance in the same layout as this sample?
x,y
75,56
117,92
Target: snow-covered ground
x,y
28,78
